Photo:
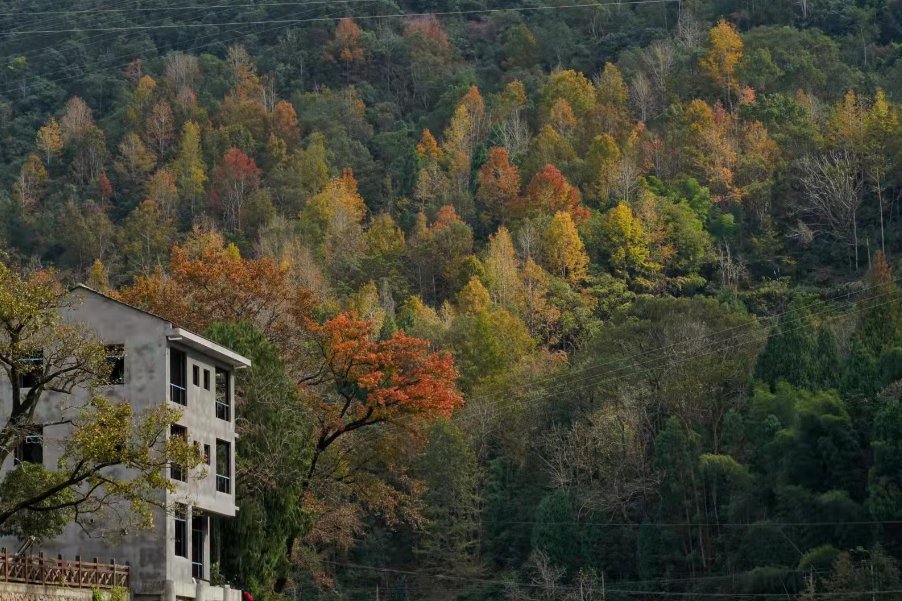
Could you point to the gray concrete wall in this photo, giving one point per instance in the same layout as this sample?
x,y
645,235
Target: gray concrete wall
x,y
150,553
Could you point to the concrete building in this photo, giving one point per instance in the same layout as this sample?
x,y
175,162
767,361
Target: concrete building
x,y
155,362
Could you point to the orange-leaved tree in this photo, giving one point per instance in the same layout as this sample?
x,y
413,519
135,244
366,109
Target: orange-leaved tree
x,y
357,381
209,281
549,192
499,185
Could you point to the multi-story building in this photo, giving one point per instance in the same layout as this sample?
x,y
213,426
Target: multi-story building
x,y
154,362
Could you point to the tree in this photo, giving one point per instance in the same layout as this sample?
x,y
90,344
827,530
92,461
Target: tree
x,y
509,122
50,140
300,175
723,55
474,298
548,193
450,472
464,131
135,161
601,164
357,382
274,428
571,86
879,310
39,344
234,181
160,127
521,50
611,114
790,354
76,120
555,530
146,237
188,166
345,47
624,241
30,184
204,272
499,185
881,128
832,185
884,485
334,218
502,271
432,185
563,252
285,122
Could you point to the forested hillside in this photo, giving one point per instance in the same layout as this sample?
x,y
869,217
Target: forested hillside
x,y
546,300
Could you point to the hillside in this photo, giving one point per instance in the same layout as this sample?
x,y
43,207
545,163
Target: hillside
x,y
545,301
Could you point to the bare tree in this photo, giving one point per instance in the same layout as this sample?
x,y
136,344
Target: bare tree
x,y
513,134
689,31
160,127
182,70
832,186
601,460
642,96
626,180
659,59
805,7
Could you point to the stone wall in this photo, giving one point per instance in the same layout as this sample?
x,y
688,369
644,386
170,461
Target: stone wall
x,y
35,592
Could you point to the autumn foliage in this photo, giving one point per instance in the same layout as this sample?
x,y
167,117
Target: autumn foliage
x,y
549,192
378,381
208,281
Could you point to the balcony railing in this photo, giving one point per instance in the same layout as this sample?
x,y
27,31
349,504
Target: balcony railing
x,y
178,394
37,569
223,411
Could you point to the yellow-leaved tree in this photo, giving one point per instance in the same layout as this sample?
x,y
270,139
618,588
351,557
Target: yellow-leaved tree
x,y
38,345
723,55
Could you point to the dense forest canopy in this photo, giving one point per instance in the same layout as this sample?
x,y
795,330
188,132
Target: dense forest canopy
x,y
545,301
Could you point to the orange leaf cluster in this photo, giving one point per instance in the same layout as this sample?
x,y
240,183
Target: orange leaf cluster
x,y
382,380
211,282
549,192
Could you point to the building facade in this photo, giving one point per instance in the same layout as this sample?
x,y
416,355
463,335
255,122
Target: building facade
x,y
155,362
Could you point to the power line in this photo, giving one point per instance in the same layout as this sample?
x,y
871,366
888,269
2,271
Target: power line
x,y
565,383
320,19
803,312
760,524
741,339
215,38
184,8
614,587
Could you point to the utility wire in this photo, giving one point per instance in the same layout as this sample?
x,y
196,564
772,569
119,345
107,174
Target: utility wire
x,y
358,17
215,38
741,339
611,589
183,8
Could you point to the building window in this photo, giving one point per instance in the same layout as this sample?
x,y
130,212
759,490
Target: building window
x,y
30,369
31,448
223,395
195,375
207,454
206,379
181,531
178,377
223,466
198,538
115,360
176,470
